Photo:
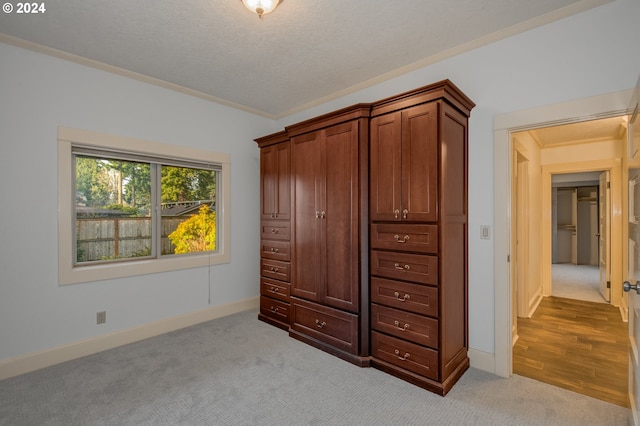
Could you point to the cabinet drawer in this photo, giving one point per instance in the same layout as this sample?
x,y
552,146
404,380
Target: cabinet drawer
x,y
414,298
405,325
416,238
420,360
276,250
274,289
337,328
274,309
418,268
275,269
274,230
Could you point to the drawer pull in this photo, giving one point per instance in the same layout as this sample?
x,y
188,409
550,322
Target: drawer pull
x,y
275,289
397,324
401,268
274,269
274,250
274,309
403,299
274,230
320,324
402,358
273,215
403,240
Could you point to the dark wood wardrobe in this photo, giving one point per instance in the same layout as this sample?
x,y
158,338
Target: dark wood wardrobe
x,y
364,234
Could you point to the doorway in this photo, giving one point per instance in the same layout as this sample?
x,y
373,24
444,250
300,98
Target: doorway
x,y
581,243
609,105
567,169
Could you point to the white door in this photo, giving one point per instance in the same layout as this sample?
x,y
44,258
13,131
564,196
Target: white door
x,y
633,277
604,238
633,272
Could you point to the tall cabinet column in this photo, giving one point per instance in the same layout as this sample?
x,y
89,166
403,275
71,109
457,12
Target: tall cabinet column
x,y
418,219
275,225
329,285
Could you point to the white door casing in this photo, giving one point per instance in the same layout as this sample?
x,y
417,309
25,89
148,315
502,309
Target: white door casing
x,y
604,236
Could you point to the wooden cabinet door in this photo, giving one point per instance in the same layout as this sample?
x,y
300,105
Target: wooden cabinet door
x,y
306,254
340,233
420,163
275,173
327,216
385,171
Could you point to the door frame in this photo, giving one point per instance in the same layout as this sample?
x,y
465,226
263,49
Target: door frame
x,y
602,106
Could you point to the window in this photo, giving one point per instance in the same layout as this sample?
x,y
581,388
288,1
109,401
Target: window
x,y
130,207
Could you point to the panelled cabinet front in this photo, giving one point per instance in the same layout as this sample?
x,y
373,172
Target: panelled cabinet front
x,y
404,150
418,227
326,246
327,197
364,234
275,236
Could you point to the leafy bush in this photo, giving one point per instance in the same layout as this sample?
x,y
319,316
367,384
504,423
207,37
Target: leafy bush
x,y
196,234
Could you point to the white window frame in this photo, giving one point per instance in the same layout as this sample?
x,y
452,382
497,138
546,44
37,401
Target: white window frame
x,y
70,274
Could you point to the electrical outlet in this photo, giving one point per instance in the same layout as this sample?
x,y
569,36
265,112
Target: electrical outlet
x,y
101,317
484,232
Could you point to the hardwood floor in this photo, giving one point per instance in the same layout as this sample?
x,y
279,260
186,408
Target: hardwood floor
x,y
576,345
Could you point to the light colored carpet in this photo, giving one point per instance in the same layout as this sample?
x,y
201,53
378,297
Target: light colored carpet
x,y
239,371
581,282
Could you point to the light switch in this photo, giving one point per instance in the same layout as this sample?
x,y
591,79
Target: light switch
x,y
484,232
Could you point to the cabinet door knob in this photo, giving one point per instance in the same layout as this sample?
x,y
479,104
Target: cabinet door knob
x,y
396,213
405,212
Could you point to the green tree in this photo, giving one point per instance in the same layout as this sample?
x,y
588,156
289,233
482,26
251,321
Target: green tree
x,y
133,183
185,184
196,234
92,181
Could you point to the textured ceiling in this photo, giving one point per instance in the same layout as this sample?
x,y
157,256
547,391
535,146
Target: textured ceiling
x,y
303,53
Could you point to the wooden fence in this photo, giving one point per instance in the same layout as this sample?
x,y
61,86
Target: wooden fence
x,y
120,237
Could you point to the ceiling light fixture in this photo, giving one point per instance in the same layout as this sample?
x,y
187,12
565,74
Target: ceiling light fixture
x,y
261,7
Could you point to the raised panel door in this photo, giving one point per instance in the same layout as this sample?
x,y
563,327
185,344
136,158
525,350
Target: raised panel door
x,y
420,163
306,255
385,174
341,223
275,182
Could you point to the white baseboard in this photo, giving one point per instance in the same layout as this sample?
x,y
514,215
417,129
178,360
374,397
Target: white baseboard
x,y
48,357
534,303
482,360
